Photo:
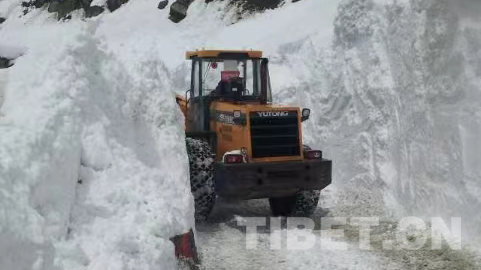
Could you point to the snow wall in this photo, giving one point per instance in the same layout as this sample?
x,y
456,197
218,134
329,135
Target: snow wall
x,y
93,169
396,100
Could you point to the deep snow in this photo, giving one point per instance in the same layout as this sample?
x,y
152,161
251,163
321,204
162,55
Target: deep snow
x,y
399,104
394,87
87,151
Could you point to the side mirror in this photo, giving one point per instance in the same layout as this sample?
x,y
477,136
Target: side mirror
x,y
188,96
305,114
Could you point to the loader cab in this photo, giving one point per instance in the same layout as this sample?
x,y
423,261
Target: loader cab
x,y
231,76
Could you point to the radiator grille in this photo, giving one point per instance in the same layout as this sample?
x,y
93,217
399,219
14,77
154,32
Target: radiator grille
x,y
274,134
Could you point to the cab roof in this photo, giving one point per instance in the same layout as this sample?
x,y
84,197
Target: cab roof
x,y
231,54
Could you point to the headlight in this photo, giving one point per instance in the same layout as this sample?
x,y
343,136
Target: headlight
x,y
313,154
306,112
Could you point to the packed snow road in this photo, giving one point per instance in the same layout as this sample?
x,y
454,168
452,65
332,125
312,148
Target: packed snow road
x,y
224,244
227,242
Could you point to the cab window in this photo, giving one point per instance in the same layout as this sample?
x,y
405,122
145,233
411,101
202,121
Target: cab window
x,y
195,80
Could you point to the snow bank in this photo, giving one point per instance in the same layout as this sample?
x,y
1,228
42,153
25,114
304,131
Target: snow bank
x,y
395,104
11,52
87,152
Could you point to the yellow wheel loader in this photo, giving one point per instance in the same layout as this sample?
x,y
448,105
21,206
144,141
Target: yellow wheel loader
x,y
240,144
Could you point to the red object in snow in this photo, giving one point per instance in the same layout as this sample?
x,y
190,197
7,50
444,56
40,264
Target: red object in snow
x,y
185,248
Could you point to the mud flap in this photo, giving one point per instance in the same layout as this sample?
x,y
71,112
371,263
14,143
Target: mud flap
x,y
185,250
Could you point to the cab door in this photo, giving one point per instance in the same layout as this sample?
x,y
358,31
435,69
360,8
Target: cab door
x,y
196,109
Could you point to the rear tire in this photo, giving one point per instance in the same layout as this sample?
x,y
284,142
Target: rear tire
x,y
303,204
201,164
282,206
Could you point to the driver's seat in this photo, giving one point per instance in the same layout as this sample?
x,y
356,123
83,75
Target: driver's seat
x,y
233,88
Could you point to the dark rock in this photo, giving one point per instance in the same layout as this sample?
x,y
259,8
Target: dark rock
x,y
258,5
245,7
52,7
255,5
2,20
86,3
5,62
35,3
93,11
178,10
163,4
62,7
65,7
115,4
39,3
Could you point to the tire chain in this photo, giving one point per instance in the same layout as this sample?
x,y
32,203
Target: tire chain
x,y
201,163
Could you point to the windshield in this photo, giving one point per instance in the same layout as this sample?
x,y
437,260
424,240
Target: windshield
x,y
217,70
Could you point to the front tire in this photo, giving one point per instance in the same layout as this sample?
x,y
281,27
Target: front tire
x,y
303,204
201,164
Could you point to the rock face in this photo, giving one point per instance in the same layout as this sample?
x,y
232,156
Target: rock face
x,y
178,10
35,3
163,4
255,5
63,8
5,62
115,4
38,3
93,11
2,20
52,7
